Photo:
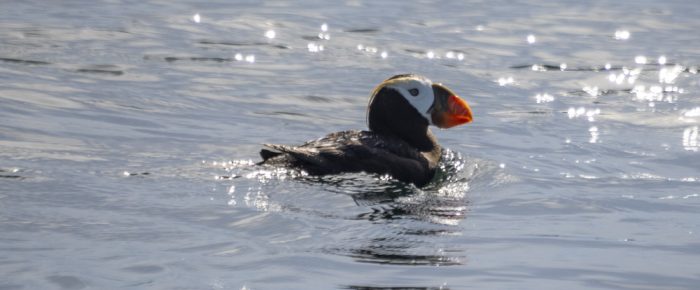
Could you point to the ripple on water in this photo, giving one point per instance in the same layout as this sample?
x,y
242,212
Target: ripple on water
x,y
39,99
405,221
451,182
101,106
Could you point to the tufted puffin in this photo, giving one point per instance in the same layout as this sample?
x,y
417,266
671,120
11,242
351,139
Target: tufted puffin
x,y
398,143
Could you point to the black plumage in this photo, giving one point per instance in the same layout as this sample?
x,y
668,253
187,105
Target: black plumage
x,y
399,142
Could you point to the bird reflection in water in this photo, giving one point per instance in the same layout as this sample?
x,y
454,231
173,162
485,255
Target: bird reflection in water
x,y
410,225
413,217
410,243
442,201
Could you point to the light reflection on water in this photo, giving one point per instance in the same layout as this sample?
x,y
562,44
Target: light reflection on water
x,y
582,156
690,139
381,201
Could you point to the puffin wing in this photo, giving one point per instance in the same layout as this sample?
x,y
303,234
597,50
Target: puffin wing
x,y
351,151
305,157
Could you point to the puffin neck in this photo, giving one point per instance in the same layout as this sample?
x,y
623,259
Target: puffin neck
x,y
389,113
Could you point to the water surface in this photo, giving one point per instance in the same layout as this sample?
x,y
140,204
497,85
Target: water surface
x,y
129,130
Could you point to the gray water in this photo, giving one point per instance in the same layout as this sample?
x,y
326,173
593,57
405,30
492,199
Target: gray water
x,y
129,129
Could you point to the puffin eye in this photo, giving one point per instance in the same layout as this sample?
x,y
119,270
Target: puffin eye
x,y
413,92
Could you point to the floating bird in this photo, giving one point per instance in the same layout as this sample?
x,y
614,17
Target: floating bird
x,y
398,143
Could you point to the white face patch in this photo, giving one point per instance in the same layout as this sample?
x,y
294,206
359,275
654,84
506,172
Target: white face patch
x,y
422,100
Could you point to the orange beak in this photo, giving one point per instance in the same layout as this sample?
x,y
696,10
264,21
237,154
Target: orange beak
x,y
448,109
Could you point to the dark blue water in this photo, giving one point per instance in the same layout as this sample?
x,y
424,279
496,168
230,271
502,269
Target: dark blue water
x,y
129,130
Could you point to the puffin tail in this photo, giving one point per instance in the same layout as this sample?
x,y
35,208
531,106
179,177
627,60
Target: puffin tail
x,y
305,158
273,151
267,154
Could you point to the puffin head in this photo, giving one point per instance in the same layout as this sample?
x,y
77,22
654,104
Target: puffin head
x,y
405,103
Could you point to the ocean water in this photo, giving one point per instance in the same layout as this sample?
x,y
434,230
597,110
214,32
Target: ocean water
x,y
129,132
